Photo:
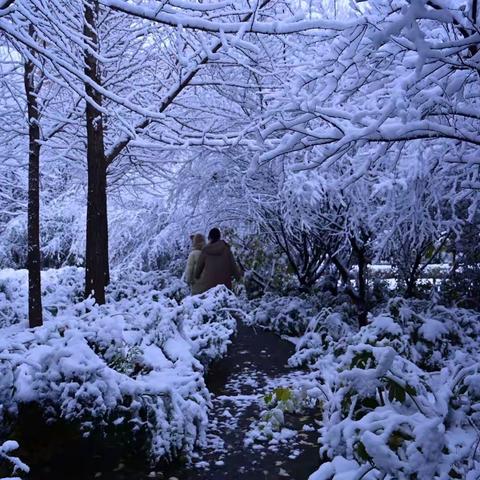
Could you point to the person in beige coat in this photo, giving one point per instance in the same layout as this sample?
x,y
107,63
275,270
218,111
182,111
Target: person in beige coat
x,y
198,242
216,264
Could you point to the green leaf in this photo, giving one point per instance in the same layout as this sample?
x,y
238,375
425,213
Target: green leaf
x,y
370,403
362,452
454,474
410,390
397,438
361,359
283,394
396,391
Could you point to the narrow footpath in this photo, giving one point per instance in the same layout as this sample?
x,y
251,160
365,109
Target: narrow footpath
x,y
255,364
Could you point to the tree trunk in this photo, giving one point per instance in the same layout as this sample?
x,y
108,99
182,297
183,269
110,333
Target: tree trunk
x,y
362,297
362,303
411,281
33,252
358,297
97,273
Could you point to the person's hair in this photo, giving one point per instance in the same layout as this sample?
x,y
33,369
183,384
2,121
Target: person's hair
x,y
214,235
198,241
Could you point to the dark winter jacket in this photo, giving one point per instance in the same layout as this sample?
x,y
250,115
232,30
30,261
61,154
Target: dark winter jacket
x,y
216,266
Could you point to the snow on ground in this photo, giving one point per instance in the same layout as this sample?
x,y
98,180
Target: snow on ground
x,y
238,444
138,360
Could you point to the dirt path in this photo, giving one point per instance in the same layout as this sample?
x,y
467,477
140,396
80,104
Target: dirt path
x,y
256,360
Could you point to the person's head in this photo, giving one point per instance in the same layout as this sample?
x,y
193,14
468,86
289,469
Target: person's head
x,y
214,235
198,241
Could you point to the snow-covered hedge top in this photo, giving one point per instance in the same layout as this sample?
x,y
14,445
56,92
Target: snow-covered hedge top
x,y
139,359
401,397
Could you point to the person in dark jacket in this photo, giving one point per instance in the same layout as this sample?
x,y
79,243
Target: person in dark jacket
x,y
216,264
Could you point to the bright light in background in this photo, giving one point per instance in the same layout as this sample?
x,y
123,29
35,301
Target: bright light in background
x,y
339,9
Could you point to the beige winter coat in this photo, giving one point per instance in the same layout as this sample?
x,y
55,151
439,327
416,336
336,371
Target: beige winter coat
x,y
193,282
216,266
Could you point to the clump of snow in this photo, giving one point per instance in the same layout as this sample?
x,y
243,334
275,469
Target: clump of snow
x,y
273,436
7,457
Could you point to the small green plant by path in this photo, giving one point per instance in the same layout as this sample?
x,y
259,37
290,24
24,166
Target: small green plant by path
x,y
278,402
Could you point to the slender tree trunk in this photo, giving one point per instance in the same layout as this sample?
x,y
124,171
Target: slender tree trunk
x,y
362,297
362,289
97,273
411,282
33,254
359,297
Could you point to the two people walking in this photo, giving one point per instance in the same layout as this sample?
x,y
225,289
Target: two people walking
x,y
211,264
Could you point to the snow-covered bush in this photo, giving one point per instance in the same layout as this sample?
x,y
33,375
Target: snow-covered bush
x,y
209,320
140,236
13,296
285,315
60,289
61,235
395,420
400,396
134,363
428,335
462,284
158,283
325,332
143,236
265,267
403,396
13,243
296,315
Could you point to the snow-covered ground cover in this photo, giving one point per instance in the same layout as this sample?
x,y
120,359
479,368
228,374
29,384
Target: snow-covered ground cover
x,y
61,288
294,315
137,362
400,397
